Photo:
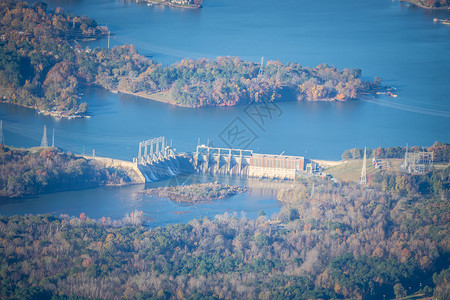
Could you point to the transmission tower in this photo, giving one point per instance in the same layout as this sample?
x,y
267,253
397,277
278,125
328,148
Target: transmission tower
x,y
405,164
278,75
44,141
261,67
2,139
364,169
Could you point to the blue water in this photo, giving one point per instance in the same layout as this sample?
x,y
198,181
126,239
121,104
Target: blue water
x,y
116,202
392,40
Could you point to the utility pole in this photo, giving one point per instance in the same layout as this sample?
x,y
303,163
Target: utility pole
x,y
109,36
405,164
53,138
44,141
364,170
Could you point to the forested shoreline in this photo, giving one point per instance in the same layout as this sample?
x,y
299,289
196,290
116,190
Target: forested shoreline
x,y
340,242
25,172
431,4
440,150
36,58
43,68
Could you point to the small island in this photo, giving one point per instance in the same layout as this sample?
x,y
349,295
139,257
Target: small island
x,y
177,3
196,193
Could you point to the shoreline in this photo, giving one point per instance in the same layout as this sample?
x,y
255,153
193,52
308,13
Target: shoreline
x,y
160,95
425,7
150,97
54,114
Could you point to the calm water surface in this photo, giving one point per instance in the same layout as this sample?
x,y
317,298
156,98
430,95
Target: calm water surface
x,y
115,202
397,42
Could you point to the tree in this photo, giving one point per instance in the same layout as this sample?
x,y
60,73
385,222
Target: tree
x,y
293,214
399,291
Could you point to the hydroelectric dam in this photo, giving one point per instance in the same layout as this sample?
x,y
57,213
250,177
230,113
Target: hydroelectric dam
x,y
157,160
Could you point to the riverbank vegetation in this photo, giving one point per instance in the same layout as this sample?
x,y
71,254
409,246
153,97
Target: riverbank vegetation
x,y
441,152
25,172
339,242
195,193
42,66
36,59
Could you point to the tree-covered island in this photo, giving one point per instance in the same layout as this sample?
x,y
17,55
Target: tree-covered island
x,y
43,68
177,3
195,193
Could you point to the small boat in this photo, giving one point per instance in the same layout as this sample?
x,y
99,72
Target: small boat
x,y
391,95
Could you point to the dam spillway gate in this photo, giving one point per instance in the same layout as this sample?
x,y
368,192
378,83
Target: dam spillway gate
x,y
221,160
158,161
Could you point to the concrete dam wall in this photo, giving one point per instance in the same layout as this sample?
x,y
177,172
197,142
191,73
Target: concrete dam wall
x,y
166,168
130,168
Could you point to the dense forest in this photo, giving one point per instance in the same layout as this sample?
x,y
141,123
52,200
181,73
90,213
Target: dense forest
x,y
25,172
42,67
441,152
342,241
36,59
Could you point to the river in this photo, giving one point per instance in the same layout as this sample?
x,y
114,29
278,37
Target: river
x,y
393,40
